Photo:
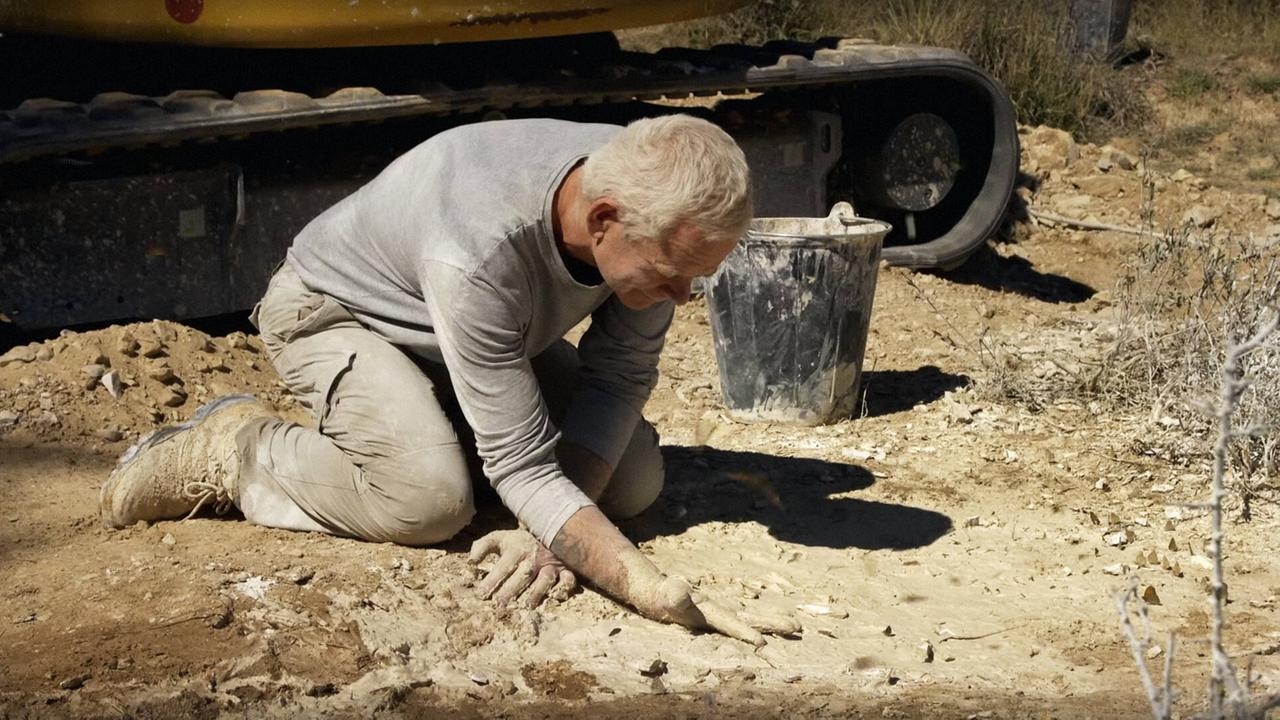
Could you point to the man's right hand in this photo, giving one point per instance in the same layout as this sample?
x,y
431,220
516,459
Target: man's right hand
x,y
674,601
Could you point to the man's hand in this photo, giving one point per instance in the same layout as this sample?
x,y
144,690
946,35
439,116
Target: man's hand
x,y
674,601
592,546
523,566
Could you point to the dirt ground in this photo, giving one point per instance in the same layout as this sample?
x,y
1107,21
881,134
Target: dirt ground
x,y
949,554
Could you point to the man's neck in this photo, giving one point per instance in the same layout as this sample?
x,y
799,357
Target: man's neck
x,y
569,220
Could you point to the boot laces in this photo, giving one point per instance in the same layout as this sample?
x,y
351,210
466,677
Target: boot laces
x,y
202,492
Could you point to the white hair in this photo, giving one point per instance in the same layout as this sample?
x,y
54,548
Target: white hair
x,y
668,171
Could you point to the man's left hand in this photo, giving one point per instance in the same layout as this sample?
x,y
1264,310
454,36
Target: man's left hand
x,y
523,567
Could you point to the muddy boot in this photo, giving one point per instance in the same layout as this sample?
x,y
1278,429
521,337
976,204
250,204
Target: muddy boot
x,y
176,470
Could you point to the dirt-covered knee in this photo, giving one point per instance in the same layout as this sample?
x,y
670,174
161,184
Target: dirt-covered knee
x,y
422,503
638,479
432,516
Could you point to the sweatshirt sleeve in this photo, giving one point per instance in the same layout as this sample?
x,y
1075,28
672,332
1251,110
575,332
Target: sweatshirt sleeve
x,y
619,368
480,332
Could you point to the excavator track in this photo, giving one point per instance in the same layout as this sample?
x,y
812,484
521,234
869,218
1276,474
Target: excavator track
x,y
43,130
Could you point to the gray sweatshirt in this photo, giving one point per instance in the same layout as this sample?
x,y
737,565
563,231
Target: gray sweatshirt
x,y
450,253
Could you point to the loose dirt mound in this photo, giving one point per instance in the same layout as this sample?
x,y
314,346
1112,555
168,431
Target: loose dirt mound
x,y
1090,183
109,385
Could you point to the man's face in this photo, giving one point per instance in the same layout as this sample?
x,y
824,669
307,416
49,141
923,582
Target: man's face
x,y
644,272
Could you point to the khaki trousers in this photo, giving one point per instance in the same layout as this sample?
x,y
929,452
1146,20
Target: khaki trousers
x,y
385,462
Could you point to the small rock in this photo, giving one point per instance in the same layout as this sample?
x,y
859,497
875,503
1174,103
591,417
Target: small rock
x,y
1105,186
1052,147
161,372
298,575
1173,544
1119,158
1182,175
223,616
173,396
24,354
73,683
111,381
1201,216
94,370
1154,652
928,651
322,690
169,539
44,354
49,418
1117,569
960,413
8,418
151,349
110,435
478,679
1273,208
128,345
1150,596
655,668
238,341
887,631
1119,538
1105,163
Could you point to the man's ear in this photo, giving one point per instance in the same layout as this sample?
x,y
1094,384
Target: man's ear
x,y
600,214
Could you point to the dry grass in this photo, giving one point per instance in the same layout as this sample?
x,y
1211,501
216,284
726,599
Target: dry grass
x,y
1200,28
1186,297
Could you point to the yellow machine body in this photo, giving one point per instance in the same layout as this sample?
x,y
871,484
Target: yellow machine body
x,y
339,23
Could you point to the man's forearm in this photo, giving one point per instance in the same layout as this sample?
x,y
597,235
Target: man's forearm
x,y
593,547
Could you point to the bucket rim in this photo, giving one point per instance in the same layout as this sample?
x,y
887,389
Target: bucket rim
x,y
862,230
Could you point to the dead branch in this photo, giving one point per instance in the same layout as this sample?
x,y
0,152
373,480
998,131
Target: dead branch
x,y
1083,224
1222,681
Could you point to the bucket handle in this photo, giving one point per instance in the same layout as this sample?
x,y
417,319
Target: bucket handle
x,y
844,212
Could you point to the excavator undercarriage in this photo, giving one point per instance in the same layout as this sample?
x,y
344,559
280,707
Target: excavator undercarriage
x,y
176,202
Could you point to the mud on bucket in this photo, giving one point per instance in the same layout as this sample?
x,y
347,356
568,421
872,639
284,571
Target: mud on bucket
x,y
790,308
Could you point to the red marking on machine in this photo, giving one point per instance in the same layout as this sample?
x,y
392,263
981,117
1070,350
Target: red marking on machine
x,y
184,11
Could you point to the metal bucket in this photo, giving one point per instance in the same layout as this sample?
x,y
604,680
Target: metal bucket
x,y
790,309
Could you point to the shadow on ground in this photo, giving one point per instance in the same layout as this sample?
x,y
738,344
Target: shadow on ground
x,y
790,496
988,269
890,391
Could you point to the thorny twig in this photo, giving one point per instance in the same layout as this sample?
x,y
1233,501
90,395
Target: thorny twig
x,y
1222,682
1161,699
